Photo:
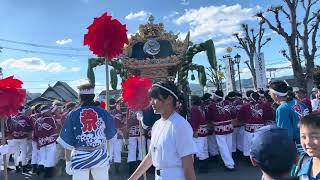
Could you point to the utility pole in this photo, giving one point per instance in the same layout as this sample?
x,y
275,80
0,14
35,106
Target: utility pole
x,y
3,139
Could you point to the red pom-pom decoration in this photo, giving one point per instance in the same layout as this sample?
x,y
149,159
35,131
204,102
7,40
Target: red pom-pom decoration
x,y
11,95
103,105
106,37
135,92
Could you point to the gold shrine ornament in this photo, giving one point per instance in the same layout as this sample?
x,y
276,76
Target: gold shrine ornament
x,y
229,49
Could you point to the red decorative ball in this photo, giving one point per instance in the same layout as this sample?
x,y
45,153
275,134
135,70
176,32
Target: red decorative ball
x,y
135,92
103,105
106,37
11,95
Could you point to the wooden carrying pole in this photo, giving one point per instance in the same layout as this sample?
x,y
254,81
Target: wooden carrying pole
x,y
3,142
107,83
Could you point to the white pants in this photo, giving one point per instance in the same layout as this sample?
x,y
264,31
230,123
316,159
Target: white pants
x,y
35,153
212,145
171,174
48,155
202,147
115,150
99,173
29,149
237,139
59,152
132,149
225,149
247,143
19,150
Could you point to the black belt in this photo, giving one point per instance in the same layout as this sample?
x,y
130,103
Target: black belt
x,y
158,172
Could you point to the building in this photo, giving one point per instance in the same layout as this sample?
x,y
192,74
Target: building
x,y
60,91
115,94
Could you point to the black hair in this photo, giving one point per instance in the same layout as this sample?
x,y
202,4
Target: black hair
x,y
21,108
219,93
195,100
278,171
291,95
267,96
311,120
283,87
261,91
69,106
96,103
238,94
248,93
87,99
112,101
255,96
301,91
279,86
206,97
230,96
157,92
37,108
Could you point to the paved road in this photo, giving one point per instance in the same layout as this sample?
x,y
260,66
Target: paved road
x,y
243,172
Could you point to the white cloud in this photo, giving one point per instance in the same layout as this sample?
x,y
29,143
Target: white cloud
x,y
32,64
75,69
225,41
171,15
78,82
132,34
74,84
64,41
281,69
184,2
220,50
216,21
141,15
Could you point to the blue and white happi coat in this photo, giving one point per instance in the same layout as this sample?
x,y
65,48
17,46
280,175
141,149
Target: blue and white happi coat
x,y
85,132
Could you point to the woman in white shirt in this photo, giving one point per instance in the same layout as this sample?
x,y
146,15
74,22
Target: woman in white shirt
x,y
172,145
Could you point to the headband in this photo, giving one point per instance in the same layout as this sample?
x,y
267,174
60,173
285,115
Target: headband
x,y
45,110
86,91
252,98
216,95
277,92
168,90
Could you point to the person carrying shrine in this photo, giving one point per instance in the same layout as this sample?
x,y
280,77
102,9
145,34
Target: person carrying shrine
x,y
219,112
85,133
200,132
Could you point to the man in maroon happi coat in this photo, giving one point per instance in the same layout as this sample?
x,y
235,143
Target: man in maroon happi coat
x,y
19,127
199,123
253,116
219,112
45,134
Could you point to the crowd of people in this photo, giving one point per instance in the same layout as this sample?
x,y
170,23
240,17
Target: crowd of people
x,y
268,128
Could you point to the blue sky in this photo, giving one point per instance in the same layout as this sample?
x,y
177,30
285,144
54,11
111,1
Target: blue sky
x,y
63,23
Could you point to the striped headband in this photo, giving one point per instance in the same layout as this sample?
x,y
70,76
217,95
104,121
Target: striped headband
x,y
277,92
168,90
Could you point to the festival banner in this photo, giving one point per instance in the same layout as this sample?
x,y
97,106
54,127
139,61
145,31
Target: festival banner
x,y
228,74
260,67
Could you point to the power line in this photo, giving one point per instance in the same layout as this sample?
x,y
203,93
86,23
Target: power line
x,y
44,52
43,46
